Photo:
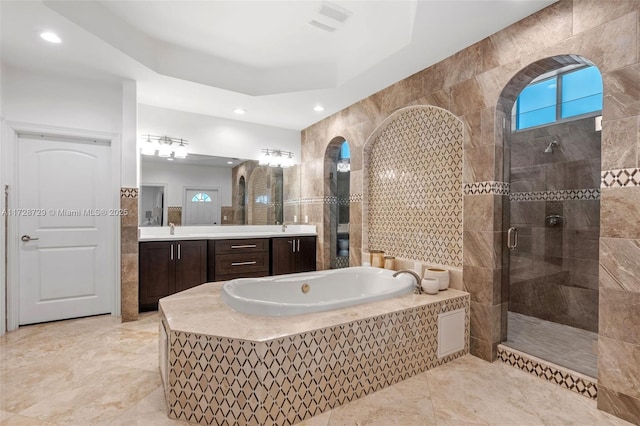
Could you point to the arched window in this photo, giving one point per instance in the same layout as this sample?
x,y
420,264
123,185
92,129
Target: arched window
x,y
565,95
201,197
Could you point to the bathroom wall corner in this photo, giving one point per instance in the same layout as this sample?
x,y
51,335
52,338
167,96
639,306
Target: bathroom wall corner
x,y
619,404
129,254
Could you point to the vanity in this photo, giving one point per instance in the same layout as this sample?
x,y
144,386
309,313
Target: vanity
x,y
193,255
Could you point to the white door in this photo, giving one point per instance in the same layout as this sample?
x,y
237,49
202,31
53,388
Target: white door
x,y
201,207
66,257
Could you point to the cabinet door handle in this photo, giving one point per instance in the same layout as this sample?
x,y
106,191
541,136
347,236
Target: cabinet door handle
x,y
244,246
253,262
298,245
293,246
171,251
178,251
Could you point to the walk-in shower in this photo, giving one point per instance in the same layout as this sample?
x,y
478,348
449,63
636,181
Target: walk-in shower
x,y
553,167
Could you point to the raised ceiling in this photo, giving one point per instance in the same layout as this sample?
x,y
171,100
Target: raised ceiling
x,y
210,57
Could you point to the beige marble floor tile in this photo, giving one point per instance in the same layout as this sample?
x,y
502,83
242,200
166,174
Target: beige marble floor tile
x,y
151,410
319,420
104,395
98,371
18,420
406,403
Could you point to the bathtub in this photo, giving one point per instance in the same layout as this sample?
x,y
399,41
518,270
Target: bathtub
x,y
294,294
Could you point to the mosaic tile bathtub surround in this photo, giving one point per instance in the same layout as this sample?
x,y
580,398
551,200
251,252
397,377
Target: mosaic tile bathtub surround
x,y
414,187
550,372
216,380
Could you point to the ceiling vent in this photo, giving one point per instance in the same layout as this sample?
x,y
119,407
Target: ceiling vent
x,y
330,16
321,26
334,11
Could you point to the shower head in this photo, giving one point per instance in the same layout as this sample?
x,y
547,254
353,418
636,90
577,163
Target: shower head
x,y
549,148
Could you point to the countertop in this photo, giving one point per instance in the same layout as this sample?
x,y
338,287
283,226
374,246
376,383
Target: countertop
x,y
223,232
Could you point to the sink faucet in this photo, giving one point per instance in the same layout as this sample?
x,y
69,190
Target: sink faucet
x,y
284,227
172,228
418,287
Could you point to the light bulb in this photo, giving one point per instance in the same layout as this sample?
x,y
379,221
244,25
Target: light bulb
x,y
165,150
180,152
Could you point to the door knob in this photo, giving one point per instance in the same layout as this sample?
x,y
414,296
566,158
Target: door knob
x,y
27,238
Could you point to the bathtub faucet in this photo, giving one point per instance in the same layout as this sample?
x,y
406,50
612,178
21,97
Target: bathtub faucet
x,y
414,275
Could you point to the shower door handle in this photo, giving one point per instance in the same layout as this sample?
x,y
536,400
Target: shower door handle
x,y
512,238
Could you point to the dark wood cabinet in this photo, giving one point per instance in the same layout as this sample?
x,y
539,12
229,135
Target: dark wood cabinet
x,y
167,267
242,258
293,254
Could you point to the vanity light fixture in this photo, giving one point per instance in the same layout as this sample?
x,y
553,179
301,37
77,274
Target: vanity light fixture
x,y
318,108
50,37
276,158
239,111
166,146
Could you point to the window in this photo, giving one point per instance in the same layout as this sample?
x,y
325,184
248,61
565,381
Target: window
x,y
563,96
262,199
201,197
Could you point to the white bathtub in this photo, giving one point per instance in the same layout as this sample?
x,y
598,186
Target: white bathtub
x,y
283,295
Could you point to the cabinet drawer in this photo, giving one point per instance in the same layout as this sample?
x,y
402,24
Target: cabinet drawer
x,y
227,264
241,275
242,246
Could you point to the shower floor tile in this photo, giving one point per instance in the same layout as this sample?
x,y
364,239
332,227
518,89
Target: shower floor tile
x,y
561,344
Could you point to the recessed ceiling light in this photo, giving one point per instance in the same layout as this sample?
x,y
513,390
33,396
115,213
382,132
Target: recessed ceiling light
x,y
50,37
229,162
318,108
239,111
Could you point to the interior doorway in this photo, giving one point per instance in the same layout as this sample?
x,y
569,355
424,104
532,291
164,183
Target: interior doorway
x,y
201,207
65,219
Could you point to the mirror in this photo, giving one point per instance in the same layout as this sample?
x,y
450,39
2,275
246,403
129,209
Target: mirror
x,y
207,190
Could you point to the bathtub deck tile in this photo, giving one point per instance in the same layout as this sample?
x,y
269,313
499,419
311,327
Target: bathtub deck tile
x,y
341,356
201,310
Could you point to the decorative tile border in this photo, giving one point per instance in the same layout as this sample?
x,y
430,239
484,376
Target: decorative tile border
x,y
553,373
128,192
490,187
216,380
330,199
559,195
620,178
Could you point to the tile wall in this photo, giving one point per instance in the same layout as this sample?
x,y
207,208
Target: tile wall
x,y
413,187
174,215
259,181
471,84
129,254
554,269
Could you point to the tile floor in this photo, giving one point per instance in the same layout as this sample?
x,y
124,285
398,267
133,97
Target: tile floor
x,y
98,371
561,344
